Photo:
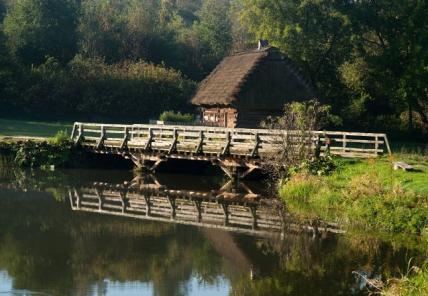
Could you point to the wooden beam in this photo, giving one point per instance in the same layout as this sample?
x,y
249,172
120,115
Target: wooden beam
x,y
226,149
124,144
173,147
148,145
255,151
200,147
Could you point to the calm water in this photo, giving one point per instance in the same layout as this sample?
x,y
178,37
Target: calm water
x,y
46,248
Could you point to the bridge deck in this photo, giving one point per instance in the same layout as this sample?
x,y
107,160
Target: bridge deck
x,y
142,142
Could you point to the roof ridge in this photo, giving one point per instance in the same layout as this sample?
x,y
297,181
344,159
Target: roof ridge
x,y
249,51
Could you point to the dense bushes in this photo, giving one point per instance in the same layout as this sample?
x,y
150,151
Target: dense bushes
x,y
171,116
31,154
92,89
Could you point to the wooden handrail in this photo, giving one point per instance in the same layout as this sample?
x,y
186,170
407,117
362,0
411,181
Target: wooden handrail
x,y
222,141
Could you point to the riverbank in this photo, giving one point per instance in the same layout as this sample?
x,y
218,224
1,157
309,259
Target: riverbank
x,y
369,196
39,152
365,194
415,282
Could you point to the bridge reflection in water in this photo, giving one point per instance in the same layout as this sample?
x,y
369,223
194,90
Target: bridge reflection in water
x,y
230,208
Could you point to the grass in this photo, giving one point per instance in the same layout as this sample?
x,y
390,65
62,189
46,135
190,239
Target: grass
x,y
32,128
414,283
365,194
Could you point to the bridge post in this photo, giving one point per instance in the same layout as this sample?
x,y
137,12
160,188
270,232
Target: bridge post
x,y
148,145
147,199
173,207
102,137
198,207
99,193
225,208
173,147
80,137
226,149
124,200
125,140
253,210
199,149
78,199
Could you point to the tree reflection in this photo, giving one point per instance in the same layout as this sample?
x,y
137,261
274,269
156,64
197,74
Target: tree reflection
x,y
46,247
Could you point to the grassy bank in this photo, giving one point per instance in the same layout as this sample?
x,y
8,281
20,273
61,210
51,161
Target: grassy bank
x,y
32,128
364,194
411,284
57,151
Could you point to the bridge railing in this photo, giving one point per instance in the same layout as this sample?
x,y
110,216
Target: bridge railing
x,y
223,141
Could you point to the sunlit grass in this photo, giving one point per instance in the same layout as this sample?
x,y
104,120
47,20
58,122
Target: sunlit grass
x,y
414,283
32,128
368,194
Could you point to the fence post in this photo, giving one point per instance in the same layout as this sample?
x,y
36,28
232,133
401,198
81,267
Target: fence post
x,y
344,143
376,144
200,148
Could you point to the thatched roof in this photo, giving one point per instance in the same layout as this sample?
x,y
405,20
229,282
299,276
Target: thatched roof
x,y
227,81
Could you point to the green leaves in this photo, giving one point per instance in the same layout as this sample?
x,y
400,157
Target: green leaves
x,y
368,59
36,29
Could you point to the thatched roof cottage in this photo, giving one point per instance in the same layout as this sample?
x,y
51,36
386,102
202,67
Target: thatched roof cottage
x,y
247,87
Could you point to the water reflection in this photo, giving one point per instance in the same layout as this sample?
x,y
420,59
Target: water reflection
x,y
46,247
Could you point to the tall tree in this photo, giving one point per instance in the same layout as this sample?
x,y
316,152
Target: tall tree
x,y
214,30
367,58
391,41
2,11
314,33
39,28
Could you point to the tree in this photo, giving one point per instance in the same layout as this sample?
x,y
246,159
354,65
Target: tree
x,y
2,10
214,31
391,41
39,28
313,33
367,58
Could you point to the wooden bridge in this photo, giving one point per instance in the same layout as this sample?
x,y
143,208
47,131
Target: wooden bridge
x,y
238,152
237,212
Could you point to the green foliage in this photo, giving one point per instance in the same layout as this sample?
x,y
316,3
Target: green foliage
x,y
319,166
90,87
39,28
214,29
414,283
188,35
368,59
32,128
34,154
61,138
172,116
368,194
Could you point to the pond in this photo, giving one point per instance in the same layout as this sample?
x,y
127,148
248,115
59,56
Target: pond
x,y
89,232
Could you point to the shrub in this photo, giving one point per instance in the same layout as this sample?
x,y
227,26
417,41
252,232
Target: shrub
x,y
318,166
172,116
43,154
414,283
89,88
60,138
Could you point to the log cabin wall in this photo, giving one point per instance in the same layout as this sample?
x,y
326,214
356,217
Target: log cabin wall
x,y
222,117
253,118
